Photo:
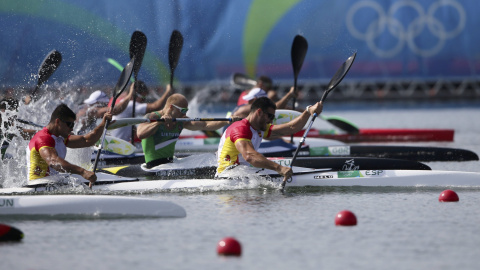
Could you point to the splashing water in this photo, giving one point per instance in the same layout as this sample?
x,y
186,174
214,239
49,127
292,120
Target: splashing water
x,y
13,168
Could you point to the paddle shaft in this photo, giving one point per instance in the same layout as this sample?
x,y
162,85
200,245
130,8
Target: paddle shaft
x,y
103,140
119,87
193,119
28,123
135,121
336,79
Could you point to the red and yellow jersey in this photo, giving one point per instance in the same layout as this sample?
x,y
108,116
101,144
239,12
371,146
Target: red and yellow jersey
x,y
37,166
227,154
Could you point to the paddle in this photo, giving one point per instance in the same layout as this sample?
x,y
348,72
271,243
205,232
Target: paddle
x,y
174,49
117,146
28,123
48,67
114,63
336,79
243,80
299,50
138,45
135,121
121,84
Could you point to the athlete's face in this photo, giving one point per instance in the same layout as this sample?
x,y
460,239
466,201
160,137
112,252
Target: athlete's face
x,y
66,126
178,111
267,117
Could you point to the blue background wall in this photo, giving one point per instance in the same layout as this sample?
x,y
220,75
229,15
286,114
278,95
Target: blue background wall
x,y
394,39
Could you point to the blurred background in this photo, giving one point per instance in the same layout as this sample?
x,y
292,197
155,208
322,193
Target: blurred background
x,y
406,50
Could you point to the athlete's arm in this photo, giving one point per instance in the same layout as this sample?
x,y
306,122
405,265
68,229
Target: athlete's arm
x,y
243,111
159,103
89,139
282,103
145,130
49,154
205,125
296,124
245,147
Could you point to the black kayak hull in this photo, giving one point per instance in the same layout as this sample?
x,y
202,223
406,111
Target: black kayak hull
x,y
417,153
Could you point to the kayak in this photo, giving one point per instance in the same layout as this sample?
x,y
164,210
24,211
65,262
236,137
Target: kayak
x,y
316,148
372,135
385,135
376,134
88,205
243,177
204,166
279,148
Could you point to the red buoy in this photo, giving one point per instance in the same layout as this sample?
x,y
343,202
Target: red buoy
x,y
9,233
345,218
229,246
448,196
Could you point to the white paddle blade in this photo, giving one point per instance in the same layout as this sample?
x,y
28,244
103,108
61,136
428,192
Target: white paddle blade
x,y
118,146
285,116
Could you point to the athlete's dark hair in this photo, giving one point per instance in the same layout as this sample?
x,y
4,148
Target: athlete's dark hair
x,y
62,112
141,87
265,82
262,103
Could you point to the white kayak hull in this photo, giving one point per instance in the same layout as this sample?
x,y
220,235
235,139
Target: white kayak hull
x,y
88,205
303,177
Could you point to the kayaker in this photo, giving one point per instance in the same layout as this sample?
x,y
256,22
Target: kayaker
x,y
141,108
96,105
159,138
263,82
243,110
239,143
47,149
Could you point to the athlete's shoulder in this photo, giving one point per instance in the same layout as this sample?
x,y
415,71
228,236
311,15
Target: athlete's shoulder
x,y
239,130
42,138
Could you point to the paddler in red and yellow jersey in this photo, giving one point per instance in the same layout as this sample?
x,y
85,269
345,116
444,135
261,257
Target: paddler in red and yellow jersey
x,y
239,143
47,149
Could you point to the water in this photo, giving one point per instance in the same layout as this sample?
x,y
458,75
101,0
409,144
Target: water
x,y
398,228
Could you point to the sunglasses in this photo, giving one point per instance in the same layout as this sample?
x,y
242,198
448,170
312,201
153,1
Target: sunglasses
x,y
69,124
271,116
182,110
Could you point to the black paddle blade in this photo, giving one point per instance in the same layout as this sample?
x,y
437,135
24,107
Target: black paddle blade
x,y
123,80
299,50
138,45
243,80
345,126
339,75
174,49
48,67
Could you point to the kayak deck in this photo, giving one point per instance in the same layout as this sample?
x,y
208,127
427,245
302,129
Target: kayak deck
x,y
88,206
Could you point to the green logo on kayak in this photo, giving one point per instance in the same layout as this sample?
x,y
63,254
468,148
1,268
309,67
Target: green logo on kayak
x,y
349,174
330,151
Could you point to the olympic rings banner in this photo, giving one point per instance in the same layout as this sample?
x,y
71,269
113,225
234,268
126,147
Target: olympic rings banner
x,y
408,39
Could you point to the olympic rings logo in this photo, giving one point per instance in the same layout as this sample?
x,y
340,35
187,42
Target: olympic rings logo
x,y
387,23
